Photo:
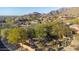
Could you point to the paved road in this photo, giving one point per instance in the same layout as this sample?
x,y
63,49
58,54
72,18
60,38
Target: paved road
x,y
2,47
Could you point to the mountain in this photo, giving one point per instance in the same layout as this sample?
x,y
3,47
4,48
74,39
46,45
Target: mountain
x,y
72,11
65,11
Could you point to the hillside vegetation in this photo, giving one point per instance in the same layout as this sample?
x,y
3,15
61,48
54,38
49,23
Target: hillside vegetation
x,y
40,32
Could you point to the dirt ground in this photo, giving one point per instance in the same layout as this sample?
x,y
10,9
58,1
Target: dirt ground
x,y
74,46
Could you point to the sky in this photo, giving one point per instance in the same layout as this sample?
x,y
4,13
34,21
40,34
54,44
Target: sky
x,y
11,11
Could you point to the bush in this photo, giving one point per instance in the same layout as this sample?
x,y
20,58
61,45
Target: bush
x,y
16,35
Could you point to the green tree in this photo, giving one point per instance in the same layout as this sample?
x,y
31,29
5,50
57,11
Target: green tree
x,y
16,35
9,21
60,29
40,31
4,32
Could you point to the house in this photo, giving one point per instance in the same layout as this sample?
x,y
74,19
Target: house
x,y
34,22
2,22
20,21
69,17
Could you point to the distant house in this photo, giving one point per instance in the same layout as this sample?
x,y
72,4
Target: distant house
x,y
34,22
20,21
2,22
69,17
